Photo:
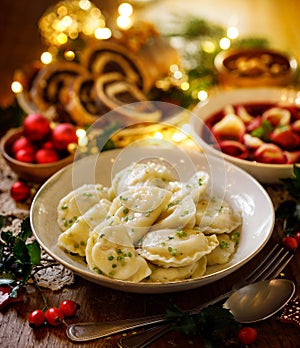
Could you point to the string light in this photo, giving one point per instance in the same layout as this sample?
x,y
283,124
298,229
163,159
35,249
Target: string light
x,y
46,57
202,95
125,9
102,33
69,55
68,19
233,33
124,20
224,43
16,87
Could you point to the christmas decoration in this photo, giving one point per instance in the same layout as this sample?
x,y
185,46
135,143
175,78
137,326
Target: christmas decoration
x,y
20,191
291,312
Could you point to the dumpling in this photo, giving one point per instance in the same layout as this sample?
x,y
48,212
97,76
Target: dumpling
x,y
142,174
223,251
177,215
77,202
140,206
195,187
93,237
176,248
171,274
214,215
74,239
114,255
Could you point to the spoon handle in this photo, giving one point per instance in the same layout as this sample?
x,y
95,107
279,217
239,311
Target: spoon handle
x,y
81,332
144,338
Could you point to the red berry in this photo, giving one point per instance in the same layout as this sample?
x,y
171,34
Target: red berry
x,y
63,135
69,308
25,155
247,335
46,156
20,191
36,127
36,318
54,316
297,236
290,242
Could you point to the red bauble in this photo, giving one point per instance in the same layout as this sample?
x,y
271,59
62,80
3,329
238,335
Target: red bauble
x,y
25,155
21,143
20,191
46,156
36,127
63,135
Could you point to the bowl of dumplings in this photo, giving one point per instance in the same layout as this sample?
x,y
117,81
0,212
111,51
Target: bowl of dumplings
x,y
257,129
152,219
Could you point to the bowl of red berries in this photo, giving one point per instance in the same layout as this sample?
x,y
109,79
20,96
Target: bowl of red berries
x,y
38,149
257,129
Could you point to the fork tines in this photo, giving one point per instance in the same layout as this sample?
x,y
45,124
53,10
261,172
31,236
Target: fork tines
x,y
274,262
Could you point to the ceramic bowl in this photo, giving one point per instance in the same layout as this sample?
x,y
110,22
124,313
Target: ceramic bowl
x,y
254,67
237,187
36,173
265,173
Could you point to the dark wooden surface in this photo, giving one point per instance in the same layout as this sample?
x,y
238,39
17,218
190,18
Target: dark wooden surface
x,y
19,44
103,304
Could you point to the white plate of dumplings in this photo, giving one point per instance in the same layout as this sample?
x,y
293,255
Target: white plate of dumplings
x,y
152,219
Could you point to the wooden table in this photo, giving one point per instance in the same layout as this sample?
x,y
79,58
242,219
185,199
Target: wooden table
x,y
102,304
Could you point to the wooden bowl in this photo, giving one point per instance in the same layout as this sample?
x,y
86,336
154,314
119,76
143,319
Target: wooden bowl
x,y
37,173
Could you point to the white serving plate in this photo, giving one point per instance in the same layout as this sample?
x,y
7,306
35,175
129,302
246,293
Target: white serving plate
x,y
240,189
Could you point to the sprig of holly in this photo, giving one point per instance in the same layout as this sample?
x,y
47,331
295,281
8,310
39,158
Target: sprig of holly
x,y
214,324
288,212
18,256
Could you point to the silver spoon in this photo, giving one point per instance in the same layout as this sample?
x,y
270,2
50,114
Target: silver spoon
x,y
251,303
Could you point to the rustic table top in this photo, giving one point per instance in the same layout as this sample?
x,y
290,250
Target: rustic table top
x,y
98,303
103,304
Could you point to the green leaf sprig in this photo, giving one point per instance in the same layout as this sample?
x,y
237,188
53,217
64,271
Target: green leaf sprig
x,y
214,324
289,211
18,256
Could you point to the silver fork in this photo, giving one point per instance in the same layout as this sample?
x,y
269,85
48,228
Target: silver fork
x,y
272,265
270,268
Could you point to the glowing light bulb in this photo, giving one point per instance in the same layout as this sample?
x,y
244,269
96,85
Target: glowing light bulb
x,y
202,95
232,32
16,87
125,9
102,33
178,137
80,132
46,57
62,38
158,135
208,46
224,43
69,55
185,86
124,22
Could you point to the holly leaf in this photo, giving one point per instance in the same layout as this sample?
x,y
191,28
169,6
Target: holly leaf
x,y
21,251
7,237
292,185
182,321
216,325
2,221
34,251
26,231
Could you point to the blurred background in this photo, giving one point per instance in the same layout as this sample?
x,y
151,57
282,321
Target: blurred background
x,y
20,40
